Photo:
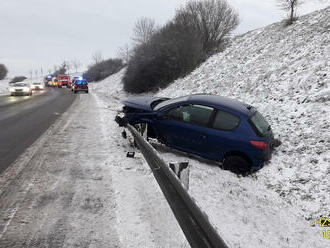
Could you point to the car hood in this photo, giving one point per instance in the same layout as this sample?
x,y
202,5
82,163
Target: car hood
x,y
141,102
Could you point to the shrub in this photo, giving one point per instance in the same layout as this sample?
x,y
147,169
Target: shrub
x,y
3,71
103,69
172,52
198,30
17,79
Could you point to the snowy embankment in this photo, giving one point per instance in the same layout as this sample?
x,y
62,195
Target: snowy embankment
x,y
4,87
284,72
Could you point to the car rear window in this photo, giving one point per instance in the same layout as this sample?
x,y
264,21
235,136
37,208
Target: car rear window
x,y
260,124
225,121
81,82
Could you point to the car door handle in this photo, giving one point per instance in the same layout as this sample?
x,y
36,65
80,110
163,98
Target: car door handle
x,y
203,136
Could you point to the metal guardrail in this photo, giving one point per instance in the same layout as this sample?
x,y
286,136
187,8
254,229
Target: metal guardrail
x,y
194,222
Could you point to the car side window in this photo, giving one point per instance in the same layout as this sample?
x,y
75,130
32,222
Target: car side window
x,y
225,121
194,114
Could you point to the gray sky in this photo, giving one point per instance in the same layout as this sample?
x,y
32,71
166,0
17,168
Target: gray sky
x,y
44,33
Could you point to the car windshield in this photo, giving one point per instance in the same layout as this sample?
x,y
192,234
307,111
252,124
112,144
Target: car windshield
x,y
260,124
169,102
20,85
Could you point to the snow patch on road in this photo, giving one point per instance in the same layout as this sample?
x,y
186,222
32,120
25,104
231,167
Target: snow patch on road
x,y
143,215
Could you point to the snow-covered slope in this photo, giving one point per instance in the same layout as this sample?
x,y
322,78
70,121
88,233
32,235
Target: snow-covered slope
x,y
111,86
285,73
4,87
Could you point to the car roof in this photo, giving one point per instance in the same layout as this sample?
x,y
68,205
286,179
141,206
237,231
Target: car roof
x,y
224,102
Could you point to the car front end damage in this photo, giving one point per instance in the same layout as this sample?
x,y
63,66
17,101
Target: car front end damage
x,y
138,110
133,116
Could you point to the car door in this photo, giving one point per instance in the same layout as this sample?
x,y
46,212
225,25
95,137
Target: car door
x,y
183,127
223,136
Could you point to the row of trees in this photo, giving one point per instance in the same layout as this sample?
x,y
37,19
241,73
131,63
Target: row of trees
x,y
162,54
102,69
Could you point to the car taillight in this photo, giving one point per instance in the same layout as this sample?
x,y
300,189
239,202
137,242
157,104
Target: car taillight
x,y
261,145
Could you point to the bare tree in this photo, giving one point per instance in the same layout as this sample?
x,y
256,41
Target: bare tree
x,y
68,66
124,53
97,57
291,6
212,19
144,28
31,73
76,64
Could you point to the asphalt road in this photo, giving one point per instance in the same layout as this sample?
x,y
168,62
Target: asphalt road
x,y
24,118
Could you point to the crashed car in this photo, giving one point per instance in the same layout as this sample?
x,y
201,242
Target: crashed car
x,y
211,126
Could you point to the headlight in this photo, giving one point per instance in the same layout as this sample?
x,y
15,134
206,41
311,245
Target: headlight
x,y
26,89
11,89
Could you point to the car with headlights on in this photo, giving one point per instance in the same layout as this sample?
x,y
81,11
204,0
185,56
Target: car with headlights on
x,y
21,89
38,86
211,126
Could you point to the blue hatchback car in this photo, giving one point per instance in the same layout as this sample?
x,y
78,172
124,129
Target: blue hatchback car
x,y
211,126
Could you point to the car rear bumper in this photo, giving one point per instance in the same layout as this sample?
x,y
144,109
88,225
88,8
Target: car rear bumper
x,y
259,160
80,88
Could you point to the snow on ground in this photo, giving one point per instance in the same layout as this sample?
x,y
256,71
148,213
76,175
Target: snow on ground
x,y
284,72
75,187
4,87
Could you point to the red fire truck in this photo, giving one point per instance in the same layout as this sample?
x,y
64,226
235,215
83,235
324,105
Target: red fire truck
x,y
63,80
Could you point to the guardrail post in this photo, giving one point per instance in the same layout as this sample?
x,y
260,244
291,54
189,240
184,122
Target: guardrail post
x,y
200,233
181,169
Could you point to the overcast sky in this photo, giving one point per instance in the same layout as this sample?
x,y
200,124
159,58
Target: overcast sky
x,y
44,33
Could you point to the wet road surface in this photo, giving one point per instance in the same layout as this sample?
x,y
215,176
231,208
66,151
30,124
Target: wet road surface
x,y
24,118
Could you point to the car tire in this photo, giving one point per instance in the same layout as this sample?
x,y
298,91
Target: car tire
x,y
86,91
75,91
236,164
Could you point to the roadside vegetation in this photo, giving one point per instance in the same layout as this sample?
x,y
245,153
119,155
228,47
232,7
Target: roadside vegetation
x,y
102,68
163,54
3,71
62,69
291,7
